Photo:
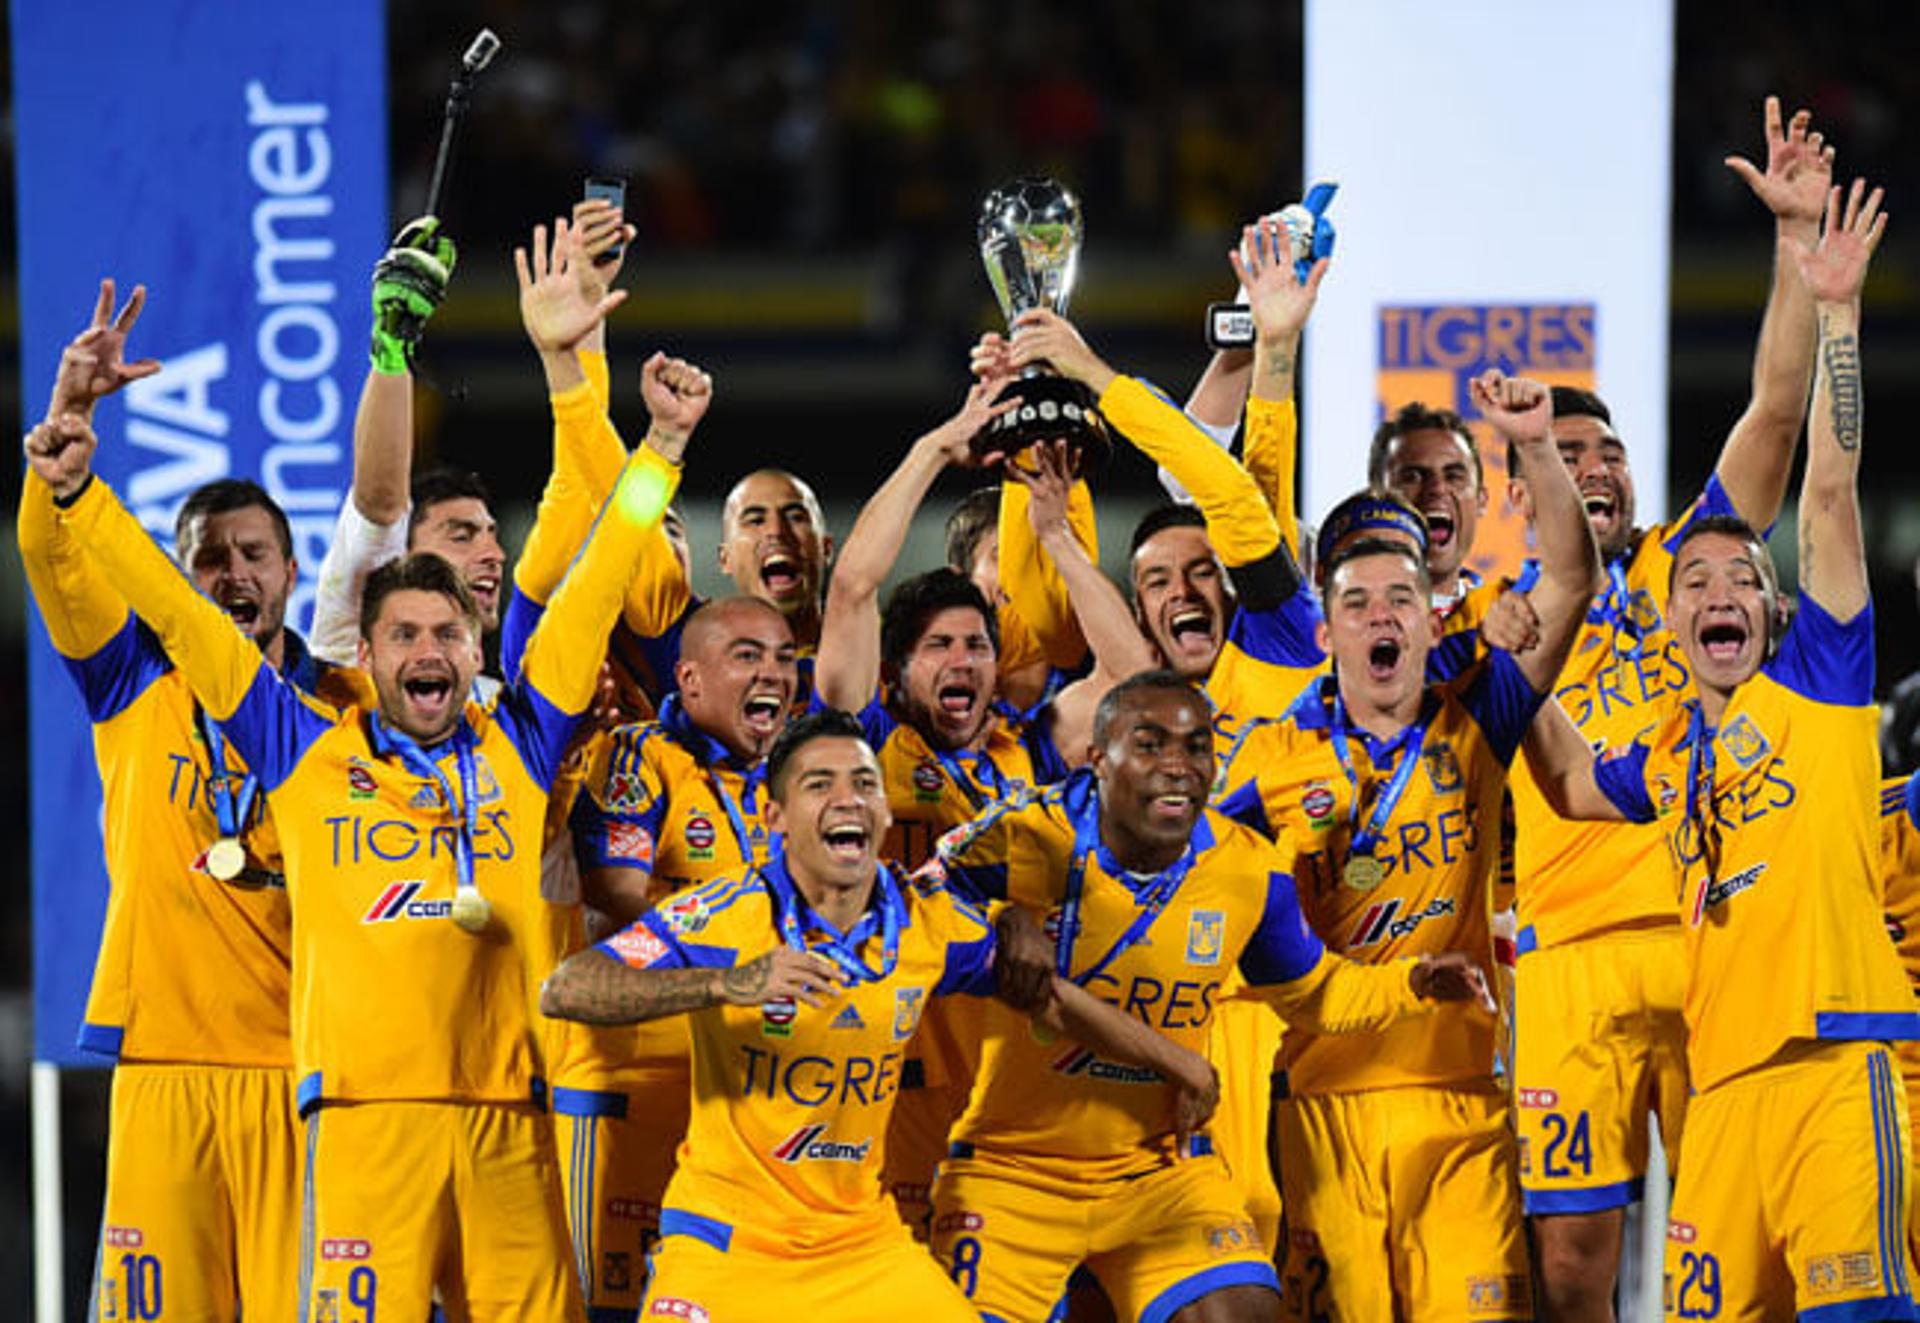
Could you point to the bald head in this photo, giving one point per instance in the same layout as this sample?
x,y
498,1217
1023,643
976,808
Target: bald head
x,y
708,628
773,541
737,674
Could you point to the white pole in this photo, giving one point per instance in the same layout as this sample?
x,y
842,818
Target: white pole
x,y
1653,1229
49,1255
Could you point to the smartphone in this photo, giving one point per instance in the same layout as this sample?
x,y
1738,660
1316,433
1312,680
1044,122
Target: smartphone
x,y
614,191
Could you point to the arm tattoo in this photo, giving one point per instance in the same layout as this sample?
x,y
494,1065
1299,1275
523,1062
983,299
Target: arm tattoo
x,y
1277,365
1841,357
594,988
748,980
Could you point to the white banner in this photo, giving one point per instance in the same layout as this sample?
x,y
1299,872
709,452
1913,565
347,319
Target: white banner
x,y
1504,171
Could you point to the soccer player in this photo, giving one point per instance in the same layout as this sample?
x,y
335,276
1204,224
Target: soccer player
x,y
946,748
668,805
1900,875
802,979
189,996
409,830
1151,900
1398,1168
1599,941
1764,784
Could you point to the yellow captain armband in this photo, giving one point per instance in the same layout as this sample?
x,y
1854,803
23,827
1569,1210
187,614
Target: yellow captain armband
x,y
646,488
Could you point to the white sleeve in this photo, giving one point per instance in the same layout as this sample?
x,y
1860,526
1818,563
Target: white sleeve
x,y
360,547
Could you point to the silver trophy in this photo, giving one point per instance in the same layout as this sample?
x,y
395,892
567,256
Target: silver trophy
x,y
1030,235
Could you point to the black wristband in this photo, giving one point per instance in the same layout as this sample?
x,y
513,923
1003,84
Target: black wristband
x,y
68,502
1265,583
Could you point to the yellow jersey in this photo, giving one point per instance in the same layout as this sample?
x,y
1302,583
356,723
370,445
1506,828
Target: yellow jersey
x,y
1900,864
390,1000
1624,675
667,799
1772,826
1162,948
790,1103
1427,804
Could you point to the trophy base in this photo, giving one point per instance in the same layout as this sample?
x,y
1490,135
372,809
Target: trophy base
x,y
1051,409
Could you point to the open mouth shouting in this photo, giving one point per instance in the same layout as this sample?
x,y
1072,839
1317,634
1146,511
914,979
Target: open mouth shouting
x,y
1603,509
846,842
1383,658
486,593
429,697
763,713
780,574
1440,526
1190,633
242,608
1724,640
1175,808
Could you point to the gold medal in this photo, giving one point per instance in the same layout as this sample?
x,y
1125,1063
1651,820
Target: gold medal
x,y
226,860
471,910
1363,872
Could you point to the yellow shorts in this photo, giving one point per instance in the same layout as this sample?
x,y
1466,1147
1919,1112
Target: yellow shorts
x,y
1402,1203
916,1146
1600,1046
701,1277
202,1211
1907,1057
617,1152
1156,1243
1242,1041
1794,1192
402,1197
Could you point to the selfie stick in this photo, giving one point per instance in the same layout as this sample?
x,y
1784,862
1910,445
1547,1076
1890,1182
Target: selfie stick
x,y
478,56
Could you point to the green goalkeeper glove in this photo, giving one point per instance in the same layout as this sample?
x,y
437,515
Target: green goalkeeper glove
x,y
408,284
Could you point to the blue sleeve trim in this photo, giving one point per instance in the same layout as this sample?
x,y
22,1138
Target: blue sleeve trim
x,y
977,883
1245,806
1282,947
1502,703
101,1039
970,966
662,652
589,824
589,1102
708,1230
537,728
306,1094
516,627
1204,1283
1881,1309
1526,941
1282,636
272,728
1827,660
1452,655
1622,778
119,672
1873,1026
1713,501
1913,799
1598,1199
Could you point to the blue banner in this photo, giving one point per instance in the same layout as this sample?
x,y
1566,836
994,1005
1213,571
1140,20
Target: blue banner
x,y
233,158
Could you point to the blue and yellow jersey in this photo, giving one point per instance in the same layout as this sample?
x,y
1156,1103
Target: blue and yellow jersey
x,y
790,1102
665,798
190,969
1625,674
1270,448
1437,856
1900,877
1163,949
1772,826
1037,620
390,1000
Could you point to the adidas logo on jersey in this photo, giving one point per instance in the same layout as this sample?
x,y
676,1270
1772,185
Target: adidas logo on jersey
x,y
848,1018
805,1145
397,902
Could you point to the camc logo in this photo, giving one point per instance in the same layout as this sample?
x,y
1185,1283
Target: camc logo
x,y
397,902
806,1145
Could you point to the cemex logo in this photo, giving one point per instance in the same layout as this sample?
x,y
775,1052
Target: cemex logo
x,y
397,902
805,1145
1382,921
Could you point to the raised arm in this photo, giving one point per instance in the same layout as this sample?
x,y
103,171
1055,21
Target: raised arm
x,y
846,673
1280,303
1565,768
1521,411
1833,565
1757,458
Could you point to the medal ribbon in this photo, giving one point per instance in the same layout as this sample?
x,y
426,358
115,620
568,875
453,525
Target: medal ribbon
x,y
1700,769
968,787
736,820
230,812
1365,838
1151,900
465,810
887,916
1612,609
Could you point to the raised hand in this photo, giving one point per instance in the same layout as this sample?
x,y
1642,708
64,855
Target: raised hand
x,y
61,450
1042,335
1799,167
1510,623
782,973
1451,976
94,366
954,438
1278,299
1835,269
409,284
990,357
1048,483
552,308
599,228
676,394
1519,408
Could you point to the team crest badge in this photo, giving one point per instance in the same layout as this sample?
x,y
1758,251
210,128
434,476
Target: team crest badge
x,y
907,1004
1743,741
1443,769
486,784
1206,935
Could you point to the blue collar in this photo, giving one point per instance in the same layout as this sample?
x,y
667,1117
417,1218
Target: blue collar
x,y
886,889
706,750
1313,710
297,663
1080,802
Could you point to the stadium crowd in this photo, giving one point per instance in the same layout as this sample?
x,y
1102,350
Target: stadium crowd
x,y
1308,930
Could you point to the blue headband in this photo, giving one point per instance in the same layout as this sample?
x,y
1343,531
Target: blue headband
x,y
1366,513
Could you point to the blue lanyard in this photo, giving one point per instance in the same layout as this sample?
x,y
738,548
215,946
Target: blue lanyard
x,y
1613,609
735,818
230,812
886,917
1365,838
1700,770
465,810
1151,900
968,787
